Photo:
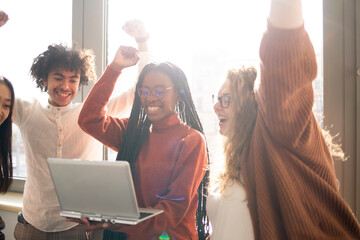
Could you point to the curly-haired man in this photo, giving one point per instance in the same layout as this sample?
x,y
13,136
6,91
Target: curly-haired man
x,y
51,130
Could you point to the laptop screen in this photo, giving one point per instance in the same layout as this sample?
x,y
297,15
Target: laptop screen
x,y
94,187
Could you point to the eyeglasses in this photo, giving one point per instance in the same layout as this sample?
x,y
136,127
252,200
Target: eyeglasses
x,y
224,100
158,92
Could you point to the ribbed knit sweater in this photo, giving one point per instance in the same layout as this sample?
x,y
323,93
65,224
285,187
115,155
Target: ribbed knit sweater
x,y
287,168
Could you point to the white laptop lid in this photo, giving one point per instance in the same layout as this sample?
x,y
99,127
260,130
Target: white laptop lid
x,y
95,188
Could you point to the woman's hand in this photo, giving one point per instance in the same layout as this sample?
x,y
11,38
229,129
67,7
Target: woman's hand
x,y
125,57
3,18
91,225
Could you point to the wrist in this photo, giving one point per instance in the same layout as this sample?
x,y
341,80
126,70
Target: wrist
x,y
142,39
116,66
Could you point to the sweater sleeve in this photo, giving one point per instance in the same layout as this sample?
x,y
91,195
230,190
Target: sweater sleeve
x,y
285,94
94,118
180,202
120,105
22,110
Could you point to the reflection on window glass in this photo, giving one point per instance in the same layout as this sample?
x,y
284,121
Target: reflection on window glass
x,y
32,26
205,38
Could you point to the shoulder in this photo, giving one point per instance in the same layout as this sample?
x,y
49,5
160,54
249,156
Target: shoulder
x,y
22,105
193,137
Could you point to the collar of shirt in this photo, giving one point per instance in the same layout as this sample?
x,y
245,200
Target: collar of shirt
x,y
55,109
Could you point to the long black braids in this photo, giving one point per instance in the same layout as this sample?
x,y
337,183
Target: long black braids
x,y
138,131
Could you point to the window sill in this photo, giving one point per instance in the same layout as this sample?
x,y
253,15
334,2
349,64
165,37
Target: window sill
x,y
11,202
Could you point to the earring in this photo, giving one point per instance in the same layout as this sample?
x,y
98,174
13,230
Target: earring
x,y
180,107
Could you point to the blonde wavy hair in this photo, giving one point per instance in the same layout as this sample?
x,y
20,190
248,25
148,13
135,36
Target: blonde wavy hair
x,y
241,84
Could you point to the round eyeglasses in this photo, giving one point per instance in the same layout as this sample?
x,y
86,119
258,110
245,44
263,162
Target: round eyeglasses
x,y
224,100
158,92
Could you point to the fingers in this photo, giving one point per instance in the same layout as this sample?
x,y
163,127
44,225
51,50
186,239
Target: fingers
x,y
90,225
3,18
135,28
130,53
125,57
73,220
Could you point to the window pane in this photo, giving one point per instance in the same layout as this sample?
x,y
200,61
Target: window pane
x,y
32,26
205,38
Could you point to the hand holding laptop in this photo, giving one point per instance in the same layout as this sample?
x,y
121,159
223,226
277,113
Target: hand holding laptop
x,y
93,225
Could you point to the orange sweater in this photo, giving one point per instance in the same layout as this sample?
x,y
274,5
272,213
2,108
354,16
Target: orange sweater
x,y
287,167
171,165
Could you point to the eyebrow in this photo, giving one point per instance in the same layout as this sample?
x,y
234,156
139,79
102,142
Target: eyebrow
x,y
61,75
7,99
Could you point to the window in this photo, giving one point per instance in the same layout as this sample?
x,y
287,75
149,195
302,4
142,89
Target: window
x,y
32,26
205,38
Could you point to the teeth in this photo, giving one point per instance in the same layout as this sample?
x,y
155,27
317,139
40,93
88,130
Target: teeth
x,y
150,109
63,94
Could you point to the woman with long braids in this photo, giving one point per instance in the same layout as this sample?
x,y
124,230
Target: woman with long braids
x,y
163,142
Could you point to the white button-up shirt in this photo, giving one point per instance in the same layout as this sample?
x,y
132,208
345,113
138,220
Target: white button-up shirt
x,y
49,131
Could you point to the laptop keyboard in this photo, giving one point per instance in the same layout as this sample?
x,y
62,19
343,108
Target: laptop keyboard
x,y
144,214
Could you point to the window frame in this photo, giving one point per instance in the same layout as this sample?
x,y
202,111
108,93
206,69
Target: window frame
x,y
342,98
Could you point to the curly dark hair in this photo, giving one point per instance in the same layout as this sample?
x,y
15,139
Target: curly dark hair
x,y
59,56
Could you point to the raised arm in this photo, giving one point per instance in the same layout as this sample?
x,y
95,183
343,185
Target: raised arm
x,y
135,29
93,117
288,67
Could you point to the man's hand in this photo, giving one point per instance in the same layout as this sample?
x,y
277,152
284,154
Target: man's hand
x,y
136,29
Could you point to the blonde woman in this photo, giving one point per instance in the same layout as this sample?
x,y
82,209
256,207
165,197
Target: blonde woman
x,y
278,180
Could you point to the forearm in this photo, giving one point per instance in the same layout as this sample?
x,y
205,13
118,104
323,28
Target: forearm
x,y
285,95
286,14
93,117
143,46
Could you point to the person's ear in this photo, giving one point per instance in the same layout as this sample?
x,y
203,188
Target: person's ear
x,y
45,82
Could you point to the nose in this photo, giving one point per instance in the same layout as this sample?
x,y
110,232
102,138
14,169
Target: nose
x,y
65,85
151,97
217,106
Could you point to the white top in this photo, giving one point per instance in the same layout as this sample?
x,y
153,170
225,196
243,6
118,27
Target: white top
x,y
49,131
229,214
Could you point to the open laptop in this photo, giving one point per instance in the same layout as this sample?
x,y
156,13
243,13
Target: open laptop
x,y
97,190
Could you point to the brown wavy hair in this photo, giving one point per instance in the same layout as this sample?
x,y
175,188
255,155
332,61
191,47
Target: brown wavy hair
x,y
59,56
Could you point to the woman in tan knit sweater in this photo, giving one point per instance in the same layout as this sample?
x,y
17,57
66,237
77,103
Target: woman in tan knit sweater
x,y
278,174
